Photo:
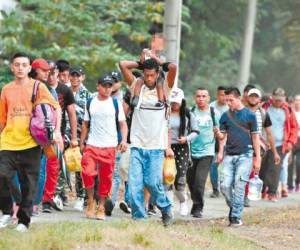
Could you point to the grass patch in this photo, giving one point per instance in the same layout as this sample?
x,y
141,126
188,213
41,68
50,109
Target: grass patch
x,y
123,234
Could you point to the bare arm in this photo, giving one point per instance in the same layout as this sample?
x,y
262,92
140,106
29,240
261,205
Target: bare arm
x,y
73,124
256,147
126,67
171,74
221,148
272,144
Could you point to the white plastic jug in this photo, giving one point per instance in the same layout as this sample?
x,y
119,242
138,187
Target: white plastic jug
x,y
255,188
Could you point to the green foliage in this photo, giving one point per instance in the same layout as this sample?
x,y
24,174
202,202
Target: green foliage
x,y
95,34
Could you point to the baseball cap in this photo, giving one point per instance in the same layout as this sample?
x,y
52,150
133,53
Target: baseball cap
x,y
254,92
76,69
116,75
176,95
106,80
40,63
278,93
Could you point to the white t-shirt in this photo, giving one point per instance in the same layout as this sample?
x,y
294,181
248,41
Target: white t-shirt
x,y
149,127
297,114
103,129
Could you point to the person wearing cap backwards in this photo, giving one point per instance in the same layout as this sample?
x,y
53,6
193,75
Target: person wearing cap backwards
x,y
183,130
19,153
149,138
81,96
284,130
67,104
100,127
202,148
264,124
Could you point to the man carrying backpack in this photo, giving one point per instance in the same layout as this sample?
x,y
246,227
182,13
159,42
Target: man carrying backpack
x,y
19,153
149,137
202,149
104,116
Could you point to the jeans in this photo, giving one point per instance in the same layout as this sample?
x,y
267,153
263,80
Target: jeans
x,y
42,180
294,164
214,176
145,169
116,179
234,176
284,170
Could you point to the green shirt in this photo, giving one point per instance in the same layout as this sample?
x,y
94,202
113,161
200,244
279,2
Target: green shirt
x,y
204,143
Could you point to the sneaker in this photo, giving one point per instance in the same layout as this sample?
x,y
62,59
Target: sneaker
x,y
197,213
64,199
297,189
58,203
46,207
229,216
124,207
183,208
21,228
159,104
215,194
247,202
90,209
109,206
151,210
167,218
235,222
100,214
284,193
272,197
5,220
79,204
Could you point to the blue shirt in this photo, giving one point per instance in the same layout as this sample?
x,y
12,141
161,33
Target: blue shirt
x,y
204,143
277,116
238,125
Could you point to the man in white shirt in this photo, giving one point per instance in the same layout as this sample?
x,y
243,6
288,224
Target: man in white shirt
x,y
149,137
103,116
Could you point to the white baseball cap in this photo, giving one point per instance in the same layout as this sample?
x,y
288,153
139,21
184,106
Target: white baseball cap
x,y
176,95
254,92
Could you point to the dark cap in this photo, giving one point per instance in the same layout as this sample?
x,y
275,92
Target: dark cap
x,y
106,80
116,75
278,93
76,69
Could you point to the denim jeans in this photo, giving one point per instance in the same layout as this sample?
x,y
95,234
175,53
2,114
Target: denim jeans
x,y
117,181
145,169
294,165
214,176
284,170
235,174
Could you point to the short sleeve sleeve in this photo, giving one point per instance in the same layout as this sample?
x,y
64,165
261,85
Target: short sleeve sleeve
x,y
268,122
223,123
253,127
3,108
194,125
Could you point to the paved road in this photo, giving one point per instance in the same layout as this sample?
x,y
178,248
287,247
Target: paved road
x,y
214,208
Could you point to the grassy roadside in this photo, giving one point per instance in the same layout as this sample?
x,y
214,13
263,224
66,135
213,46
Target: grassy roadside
x,y
124,234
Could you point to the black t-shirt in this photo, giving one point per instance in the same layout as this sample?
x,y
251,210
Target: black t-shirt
x,y
268,122
65,98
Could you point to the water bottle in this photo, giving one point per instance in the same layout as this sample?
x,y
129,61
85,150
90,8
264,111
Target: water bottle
x,y
255,188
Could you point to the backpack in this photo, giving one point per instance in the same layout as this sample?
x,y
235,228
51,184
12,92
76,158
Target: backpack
x,y
116,106
42,121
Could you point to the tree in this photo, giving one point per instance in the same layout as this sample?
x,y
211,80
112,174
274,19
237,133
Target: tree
x,y
95,34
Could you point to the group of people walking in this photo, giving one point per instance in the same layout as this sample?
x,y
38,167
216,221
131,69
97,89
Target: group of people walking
x,y
125,132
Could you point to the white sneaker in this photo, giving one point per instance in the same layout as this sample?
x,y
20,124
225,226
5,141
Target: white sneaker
x,y
21,228
79,204
183,209
58,204
5,220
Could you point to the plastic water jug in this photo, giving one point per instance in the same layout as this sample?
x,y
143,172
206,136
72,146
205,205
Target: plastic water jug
x,y
255,188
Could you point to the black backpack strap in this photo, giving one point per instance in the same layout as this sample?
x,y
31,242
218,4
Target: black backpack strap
x,y
213,116
116,106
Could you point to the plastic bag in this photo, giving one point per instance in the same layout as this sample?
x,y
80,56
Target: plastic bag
x,y
73,159
169,170
255,188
